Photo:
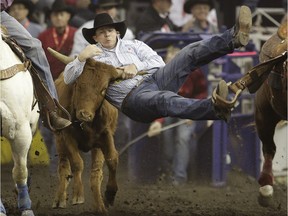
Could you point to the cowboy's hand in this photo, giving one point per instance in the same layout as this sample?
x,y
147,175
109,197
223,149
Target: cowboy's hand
x,y
129,71
154,129
88,52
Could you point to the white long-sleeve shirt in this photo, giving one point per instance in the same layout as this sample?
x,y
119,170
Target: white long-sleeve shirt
x,y
126,52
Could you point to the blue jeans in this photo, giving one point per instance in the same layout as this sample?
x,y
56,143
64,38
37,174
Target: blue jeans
x,y
157,97
32,48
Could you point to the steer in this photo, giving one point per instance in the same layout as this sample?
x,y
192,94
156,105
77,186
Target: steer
x,y
94,123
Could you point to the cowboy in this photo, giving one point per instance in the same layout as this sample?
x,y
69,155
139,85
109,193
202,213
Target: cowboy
x,y
21,10
199,23
153,95
102,6
59,36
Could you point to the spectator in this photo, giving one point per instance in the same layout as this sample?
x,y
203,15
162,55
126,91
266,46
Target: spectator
x,y
199,22
40,9
21,10
177,14
59,36
156,18
102,6
180,143
82,13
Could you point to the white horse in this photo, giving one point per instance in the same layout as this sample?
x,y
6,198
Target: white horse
x,y
19,117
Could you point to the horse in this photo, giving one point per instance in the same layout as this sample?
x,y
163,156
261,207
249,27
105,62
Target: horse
x,y
19,116
94,122
271,108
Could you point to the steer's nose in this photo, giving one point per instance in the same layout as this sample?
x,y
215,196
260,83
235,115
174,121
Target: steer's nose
x,y
85,116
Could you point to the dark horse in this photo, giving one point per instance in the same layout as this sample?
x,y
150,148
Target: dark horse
x,y
271,107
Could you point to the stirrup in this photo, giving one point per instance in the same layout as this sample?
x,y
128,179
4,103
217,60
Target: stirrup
x,y
223,102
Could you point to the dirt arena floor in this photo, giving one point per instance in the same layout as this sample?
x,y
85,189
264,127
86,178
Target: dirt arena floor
x,y
237,198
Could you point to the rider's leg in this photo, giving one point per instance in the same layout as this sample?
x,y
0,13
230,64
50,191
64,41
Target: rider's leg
x,y
33,50
197,54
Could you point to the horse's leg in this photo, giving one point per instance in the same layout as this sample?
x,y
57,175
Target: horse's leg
x,y
20,146
111,159
64,173
96,179
266,121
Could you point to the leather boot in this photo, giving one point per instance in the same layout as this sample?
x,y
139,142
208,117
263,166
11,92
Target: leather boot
x,y
242,27
222,111
48,106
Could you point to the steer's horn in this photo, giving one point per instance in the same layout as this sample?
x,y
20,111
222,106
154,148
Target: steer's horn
x,y
60,56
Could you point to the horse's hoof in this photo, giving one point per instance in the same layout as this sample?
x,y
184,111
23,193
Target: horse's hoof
x,y
266,191
27,213
265,195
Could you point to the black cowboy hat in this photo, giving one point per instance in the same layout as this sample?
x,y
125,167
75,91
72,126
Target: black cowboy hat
x,y
27,4
190,3
100,20
104,4
60,5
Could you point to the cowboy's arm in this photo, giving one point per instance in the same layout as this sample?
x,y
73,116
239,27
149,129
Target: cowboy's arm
x,y
148,57
73,70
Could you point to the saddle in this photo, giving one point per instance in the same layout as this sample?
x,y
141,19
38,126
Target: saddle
x,y
272,56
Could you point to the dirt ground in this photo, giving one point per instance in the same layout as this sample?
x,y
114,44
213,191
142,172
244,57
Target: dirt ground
x,y
237,198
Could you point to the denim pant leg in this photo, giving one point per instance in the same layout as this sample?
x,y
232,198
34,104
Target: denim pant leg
x,y
156,96
173,75
146,103
32,48
183,140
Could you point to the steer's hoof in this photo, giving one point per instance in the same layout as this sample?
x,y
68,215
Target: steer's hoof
x,y
109,197
78,200
58,204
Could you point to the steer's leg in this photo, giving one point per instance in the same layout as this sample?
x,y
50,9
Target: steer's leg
x,y
111,158
77,167
64,172
96,178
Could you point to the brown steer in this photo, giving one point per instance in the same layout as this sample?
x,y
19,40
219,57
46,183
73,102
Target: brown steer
x,y
94,124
